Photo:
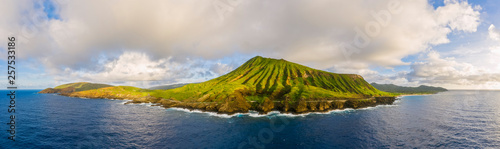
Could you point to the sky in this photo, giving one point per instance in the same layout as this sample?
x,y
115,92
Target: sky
x,y
449,43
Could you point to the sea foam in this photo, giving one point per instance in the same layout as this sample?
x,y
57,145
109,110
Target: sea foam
x,y
256,114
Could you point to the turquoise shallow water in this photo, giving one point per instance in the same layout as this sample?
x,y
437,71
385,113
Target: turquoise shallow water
x,y
453,119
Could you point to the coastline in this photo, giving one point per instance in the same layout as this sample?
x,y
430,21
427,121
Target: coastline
x,y
252,113
231,108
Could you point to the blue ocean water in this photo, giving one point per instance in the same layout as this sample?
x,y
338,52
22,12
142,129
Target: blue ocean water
x,y
453,119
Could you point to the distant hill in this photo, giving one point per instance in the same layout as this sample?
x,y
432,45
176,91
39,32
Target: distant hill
x,y
422,89
74,87
166,87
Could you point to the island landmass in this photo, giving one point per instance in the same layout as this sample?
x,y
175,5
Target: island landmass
x,y
260,84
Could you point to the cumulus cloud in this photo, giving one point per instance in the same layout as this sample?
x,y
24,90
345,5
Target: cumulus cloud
x,y
136,68
467,20
438,70
450,72
316,33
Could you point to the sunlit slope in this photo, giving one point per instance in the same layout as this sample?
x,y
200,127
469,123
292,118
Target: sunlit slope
x,y
261,78
82,86
74,87
117,92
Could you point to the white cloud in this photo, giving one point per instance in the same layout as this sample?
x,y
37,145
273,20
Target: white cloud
x,y
221,69
301,31
459,15
494,33
172,31
447,71
136,68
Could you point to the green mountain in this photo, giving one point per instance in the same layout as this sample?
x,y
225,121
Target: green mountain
x,y
422,89
261,78
74,87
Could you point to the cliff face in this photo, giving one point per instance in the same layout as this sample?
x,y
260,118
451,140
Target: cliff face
x,y
302,106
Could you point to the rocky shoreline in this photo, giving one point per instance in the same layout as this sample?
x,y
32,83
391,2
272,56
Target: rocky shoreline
x,y
300,107
237,105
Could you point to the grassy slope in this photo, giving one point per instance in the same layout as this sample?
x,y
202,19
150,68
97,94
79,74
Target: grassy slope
x,y
82,86
122,91
261,78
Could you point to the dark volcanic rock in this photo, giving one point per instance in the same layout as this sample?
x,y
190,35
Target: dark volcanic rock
x,y
301,106
167,103
385,100
266,106
234,105
284,106
337,105
212,107
312,106
359,103
323,106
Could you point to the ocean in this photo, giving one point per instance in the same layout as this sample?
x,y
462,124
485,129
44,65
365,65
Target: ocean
x,y
452,119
